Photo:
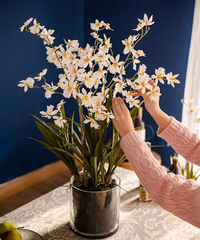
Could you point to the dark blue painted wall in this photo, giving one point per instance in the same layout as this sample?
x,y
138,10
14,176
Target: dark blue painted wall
x,y
166,45
23,55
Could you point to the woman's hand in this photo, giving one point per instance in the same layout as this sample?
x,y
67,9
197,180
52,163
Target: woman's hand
x,y
151,106
123,122
160,117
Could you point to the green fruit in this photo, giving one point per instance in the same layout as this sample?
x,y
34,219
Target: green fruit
x,y
7,226
11,235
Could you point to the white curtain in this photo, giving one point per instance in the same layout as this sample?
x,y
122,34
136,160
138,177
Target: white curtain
x,y
192,85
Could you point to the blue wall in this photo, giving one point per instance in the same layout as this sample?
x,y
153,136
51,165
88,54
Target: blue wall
x,y
166,45
23,55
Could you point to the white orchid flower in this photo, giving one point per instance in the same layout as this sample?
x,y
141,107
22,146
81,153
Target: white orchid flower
x,y
115,64
50,89
41,74
59,121
92,122
36,27
106,45
128,44
59,105
28,83
159,74
95,26
85,98
142,69
69,89
145,21
74,44
154,94
46,36
49,112
106,115
26,24
143,83
171,79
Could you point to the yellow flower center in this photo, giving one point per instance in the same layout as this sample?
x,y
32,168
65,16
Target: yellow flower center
x,y
97,111
72,58
191,110
64,54
99,70
87,79
130,94
54,49
69,88
115,64
127,44
120,84
173,79
143,84
159,76
86,60
154,94
101,56
86,98
105,115
92,121
74,70
98,104
38,25
98,24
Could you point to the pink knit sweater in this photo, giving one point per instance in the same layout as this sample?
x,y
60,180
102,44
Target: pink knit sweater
x,y
172,192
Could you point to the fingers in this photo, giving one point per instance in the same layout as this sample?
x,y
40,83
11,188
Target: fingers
x,y
122,121
118,106
138,92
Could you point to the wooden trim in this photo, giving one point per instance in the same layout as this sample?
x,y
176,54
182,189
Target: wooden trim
x,y
18,184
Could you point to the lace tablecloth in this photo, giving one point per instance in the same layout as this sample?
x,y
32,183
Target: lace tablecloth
x,y
49,216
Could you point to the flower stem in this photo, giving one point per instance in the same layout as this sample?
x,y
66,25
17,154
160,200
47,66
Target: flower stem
x,y
82,136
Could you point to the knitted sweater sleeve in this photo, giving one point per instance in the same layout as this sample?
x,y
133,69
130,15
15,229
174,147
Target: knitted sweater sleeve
x,y
182,140
172,192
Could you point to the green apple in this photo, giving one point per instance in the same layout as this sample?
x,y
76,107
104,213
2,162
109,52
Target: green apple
x,y
7,226
11,235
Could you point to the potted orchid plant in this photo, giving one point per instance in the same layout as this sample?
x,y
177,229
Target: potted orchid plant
x,y
92,76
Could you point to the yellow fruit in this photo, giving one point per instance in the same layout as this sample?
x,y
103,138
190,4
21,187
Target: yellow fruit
x,y
11,235
7,226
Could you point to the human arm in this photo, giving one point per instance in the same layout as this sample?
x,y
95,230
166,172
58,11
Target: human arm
x,y
160,117
181,139
172,192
